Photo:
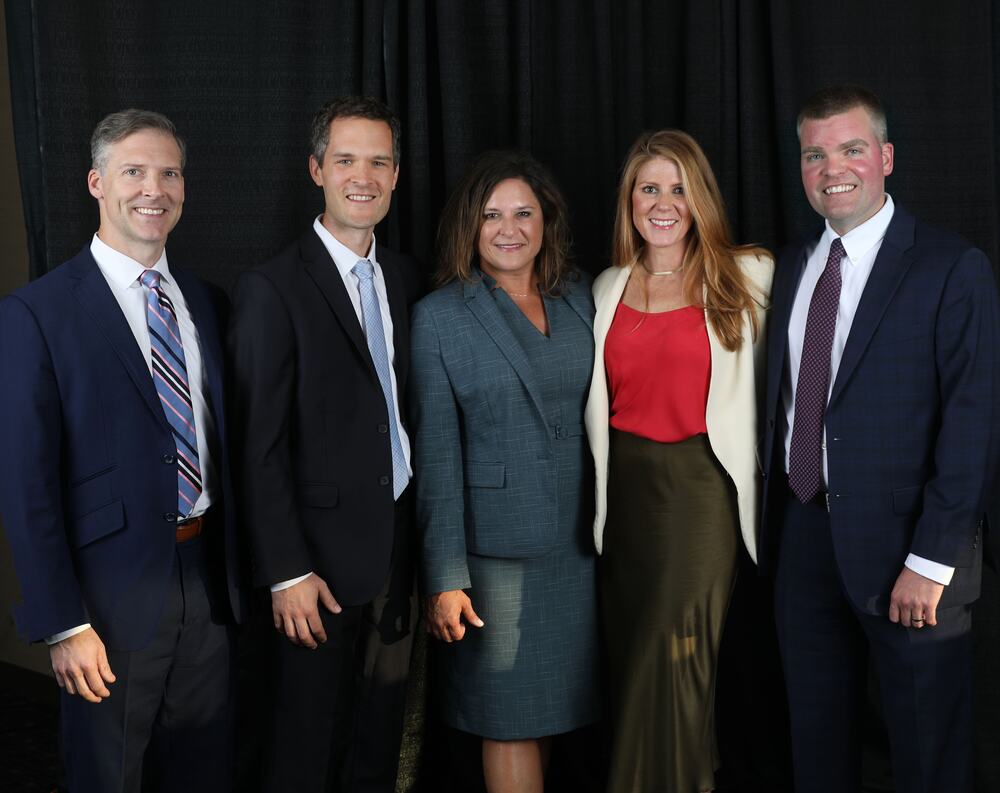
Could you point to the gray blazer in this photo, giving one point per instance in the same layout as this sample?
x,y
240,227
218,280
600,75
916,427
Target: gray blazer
x,y
484,481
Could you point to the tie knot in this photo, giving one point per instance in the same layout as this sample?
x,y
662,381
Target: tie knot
x,y
363,270
150,279
837,251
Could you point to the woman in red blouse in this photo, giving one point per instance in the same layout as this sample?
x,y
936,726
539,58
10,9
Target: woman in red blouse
x,y
672,424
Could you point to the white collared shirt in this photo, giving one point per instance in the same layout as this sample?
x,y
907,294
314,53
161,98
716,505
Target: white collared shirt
x,y
345,259
122,274
861,245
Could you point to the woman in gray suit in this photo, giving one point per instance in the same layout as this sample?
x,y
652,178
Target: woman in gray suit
x,y
672,425
502,357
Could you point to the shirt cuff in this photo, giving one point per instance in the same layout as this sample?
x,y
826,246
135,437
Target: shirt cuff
x,y
935,571
290,582
58,637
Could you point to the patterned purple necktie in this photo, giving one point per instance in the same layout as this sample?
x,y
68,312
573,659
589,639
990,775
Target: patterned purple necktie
x,y
805,458
171,381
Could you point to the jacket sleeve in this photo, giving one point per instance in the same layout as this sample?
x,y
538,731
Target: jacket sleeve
x,y
263,361
965,452
437,461
31,488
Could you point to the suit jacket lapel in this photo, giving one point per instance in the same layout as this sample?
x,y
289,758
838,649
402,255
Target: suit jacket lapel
x,y
890,266
203,315
580,300
485,310
323,271
400,318
94,295
786,282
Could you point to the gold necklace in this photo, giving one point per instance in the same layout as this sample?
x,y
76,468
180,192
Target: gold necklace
x,y
663,272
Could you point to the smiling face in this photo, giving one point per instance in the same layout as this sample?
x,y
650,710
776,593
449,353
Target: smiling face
x,y
512,230
140,192
358,176
660,210
844,168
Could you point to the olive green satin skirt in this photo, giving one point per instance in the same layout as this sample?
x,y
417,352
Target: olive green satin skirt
x,y
668,567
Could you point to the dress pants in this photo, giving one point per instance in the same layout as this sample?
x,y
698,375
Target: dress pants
x,y
338,718
925,674
167,725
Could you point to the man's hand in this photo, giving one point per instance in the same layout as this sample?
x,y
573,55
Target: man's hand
x,y
296,611
444,612
914,600
81,665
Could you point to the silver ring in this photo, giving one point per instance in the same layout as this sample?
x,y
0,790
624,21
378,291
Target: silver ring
x,y
917,619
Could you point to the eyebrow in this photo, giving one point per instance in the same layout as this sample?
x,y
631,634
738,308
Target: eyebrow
x,y
347,155
853,143
516,209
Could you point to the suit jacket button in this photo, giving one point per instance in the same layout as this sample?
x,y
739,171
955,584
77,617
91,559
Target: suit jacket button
x,y
383,428
383,480
170,517
770,423
169,459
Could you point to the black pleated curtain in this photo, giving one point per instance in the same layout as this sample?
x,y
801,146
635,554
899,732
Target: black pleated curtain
x,y
573,81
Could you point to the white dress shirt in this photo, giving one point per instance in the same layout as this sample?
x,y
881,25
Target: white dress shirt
x,y
122,274
861,245
345,259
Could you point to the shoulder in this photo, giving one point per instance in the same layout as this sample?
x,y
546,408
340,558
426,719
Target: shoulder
x,y
606,280
410,271
47,290
758,269
447,300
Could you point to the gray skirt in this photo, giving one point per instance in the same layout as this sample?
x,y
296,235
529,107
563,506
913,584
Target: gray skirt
x,y
668,568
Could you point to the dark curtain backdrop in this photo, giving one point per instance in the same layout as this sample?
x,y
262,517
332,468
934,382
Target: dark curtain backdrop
x,y
573,81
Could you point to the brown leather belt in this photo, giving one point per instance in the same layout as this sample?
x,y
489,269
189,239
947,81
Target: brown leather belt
x,y
190,529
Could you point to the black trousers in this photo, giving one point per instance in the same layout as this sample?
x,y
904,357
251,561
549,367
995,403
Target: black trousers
x,y
338,715
167,725
925,675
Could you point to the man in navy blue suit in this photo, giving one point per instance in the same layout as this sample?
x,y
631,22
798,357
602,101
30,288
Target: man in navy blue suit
x,y
879,453
114,481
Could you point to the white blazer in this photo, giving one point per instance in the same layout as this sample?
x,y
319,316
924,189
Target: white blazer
x,y
731,413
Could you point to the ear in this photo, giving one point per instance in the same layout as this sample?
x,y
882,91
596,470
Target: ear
x,y
315,171
395,177
94,184
887,154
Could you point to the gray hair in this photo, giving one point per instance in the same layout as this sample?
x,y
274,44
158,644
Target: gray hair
x,y
118,126
839,99
351,107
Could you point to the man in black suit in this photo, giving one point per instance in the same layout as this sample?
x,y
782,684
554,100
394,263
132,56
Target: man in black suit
x,y
320,347
879,452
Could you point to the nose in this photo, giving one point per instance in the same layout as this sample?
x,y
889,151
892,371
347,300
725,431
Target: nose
x,y
508,227
152,185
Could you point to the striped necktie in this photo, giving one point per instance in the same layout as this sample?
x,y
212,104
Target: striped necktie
x,y
171,381
372,316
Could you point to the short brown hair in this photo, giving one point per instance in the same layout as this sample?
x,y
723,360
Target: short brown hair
x,y
462,218
351,107
839,99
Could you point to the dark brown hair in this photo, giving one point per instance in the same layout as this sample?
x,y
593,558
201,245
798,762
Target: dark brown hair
x,y
351,107
839,99
462,218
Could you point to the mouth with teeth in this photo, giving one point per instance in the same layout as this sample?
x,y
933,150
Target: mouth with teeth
x,y
509,247
153,211
663,224
359,197
839,188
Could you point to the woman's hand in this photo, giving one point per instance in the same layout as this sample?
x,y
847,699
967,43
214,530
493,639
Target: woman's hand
x,y
443,613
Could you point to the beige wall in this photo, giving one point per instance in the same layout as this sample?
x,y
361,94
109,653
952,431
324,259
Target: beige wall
x,y
13,273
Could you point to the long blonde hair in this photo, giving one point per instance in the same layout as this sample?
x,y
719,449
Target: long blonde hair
x,y
710,255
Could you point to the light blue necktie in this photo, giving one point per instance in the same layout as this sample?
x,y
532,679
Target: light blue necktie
x,y
372,318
